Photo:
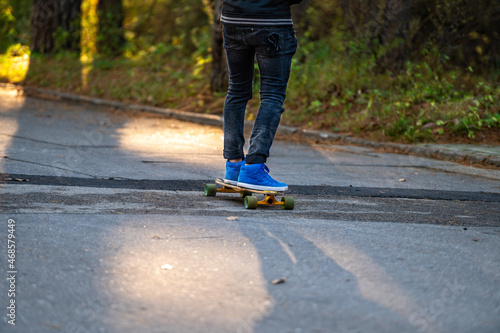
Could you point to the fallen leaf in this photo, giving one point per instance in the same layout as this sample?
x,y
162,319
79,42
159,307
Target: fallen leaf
x,y
167,266
56,327
232,218
279,281
156,237
402,180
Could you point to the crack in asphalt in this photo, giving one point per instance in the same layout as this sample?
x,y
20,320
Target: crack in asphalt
x,y
198,185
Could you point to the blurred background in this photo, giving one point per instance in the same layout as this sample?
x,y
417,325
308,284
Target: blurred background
x,y
402,71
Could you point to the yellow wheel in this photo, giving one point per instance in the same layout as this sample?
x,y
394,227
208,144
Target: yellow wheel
x,y
251,202
210,190
288,203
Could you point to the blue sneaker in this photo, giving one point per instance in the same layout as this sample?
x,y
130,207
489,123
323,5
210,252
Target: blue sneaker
x,y
256,177
233,172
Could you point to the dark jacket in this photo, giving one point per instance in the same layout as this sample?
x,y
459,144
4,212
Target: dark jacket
x,y
257,12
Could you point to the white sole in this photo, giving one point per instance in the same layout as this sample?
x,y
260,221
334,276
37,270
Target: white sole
x,y
262,188
231,182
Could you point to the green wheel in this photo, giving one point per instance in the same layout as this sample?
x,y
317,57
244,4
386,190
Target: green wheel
x,y
210,190
288,203
251,202
245,194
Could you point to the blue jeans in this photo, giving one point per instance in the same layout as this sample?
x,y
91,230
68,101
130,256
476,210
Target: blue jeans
x,y
274,48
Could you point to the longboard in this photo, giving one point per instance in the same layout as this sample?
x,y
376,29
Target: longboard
x,y
251,201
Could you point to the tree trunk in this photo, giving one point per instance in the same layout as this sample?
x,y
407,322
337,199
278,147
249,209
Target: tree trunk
x,y
219,77
55,24
395,32
396,20
111,37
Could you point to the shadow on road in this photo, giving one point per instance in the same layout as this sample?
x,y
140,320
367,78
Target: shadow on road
x,y
318,293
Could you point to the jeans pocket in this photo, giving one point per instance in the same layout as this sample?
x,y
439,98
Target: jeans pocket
x,y
278,41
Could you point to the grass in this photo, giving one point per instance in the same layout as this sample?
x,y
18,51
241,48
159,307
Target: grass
x,y
334,86
149,79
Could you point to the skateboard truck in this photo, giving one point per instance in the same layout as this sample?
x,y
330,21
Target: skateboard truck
x,y
251,201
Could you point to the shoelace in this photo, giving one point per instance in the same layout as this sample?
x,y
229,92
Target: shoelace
x,y
266,175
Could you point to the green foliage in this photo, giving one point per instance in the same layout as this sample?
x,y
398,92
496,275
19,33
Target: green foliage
x,y
336,84
68,39
344,75
14,62
6,24
14,23
359,68
181,24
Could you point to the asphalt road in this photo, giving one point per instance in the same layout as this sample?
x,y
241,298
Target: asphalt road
x,y
113,233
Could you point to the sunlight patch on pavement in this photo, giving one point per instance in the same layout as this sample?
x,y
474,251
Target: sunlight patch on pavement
x,y
11,99
10,102
159,138
203,267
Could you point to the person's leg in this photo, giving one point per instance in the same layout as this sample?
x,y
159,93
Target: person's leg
x,y
275,48
240,59
274,56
